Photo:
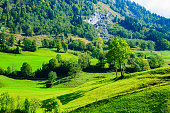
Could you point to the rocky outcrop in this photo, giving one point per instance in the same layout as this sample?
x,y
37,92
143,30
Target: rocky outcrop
x,y
101,22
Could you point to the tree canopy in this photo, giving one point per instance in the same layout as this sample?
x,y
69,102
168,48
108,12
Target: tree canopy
x,y
118,54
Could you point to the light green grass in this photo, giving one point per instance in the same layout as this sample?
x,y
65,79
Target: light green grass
x,y
101,89
90,90
164,54
35,59
29,89
149,101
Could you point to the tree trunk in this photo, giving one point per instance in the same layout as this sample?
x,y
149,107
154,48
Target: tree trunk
x,y
116,72
122,75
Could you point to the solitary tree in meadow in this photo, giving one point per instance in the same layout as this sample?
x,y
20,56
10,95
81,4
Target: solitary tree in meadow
x,y
119,52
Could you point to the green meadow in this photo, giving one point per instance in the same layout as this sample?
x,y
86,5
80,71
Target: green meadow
x,y
149,101
90,90
164,54
35,59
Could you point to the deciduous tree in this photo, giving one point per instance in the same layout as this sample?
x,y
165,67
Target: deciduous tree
x,y
119,52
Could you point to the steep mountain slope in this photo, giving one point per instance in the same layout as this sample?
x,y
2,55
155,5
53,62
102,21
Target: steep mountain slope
x,y
129,20
53,17
32,17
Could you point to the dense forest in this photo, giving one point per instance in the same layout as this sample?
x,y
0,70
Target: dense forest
x,y
54,17
33,17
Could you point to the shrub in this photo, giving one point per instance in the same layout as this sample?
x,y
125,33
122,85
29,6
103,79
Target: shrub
x,y
156,61
6,103
26,106
142,63
84,60
26,70
52,105
52,76
2,71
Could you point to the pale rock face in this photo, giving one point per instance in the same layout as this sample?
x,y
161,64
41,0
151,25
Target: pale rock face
x,y
100,21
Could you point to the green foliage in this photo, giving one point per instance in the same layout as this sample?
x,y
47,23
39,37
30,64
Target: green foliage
x,y
48,17
120,31
6,43
26,106
102,58
61,66
52,105
52,76
142,64
151,45
29,32
9,70
65,46
26,70
29,45
84,60
10,105
53,64
143,46
18,50
59,59
11,40
59,46
156,61
96,88
95,53
5,103
75,68
2,71
119,52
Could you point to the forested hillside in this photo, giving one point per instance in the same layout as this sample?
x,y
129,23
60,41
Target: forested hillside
x,y
37,17
53,17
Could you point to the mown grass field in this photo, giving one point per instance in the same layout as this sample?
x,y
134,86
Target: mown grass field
x,y
90,91
150,101
35,59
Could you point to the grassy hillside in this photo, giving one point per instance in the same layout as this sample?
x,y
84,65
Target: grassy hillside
x,y
103,8
28,89
164,54
155,100
92,90
35,59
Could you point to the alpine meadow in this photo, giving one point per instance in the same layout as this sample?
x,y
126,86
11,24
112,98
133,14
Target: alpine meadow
x,y
83,56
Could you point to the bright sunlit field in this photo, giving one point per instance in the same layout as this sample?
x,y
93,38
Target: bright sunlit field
x,y
35,59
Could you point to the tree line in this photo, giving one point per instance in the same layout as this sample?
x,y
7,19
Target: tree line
x,y
10,105
9,44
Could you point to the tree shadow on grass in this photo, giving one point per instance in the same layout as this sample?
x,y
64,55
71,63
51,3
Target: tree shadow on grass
x,y
1,85
69,97
43,85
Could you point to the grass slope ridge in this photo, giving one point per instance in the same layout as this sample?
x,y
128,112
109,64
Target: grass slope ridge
x,y
102,89
89,92
155,100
